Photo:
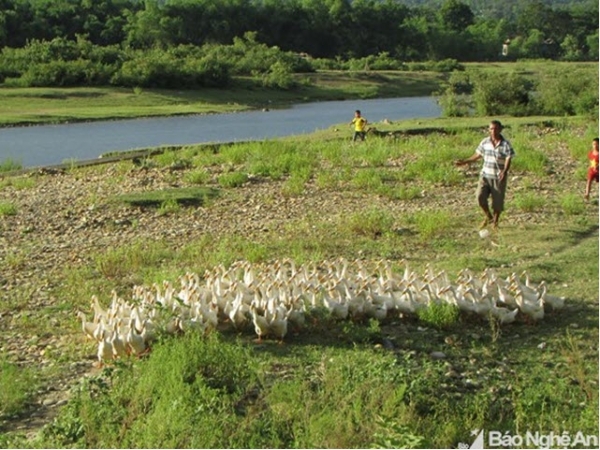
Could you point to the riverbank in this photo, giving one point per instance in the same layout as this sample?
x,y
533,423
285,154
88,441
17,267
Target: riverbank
x,y
69,237
31,106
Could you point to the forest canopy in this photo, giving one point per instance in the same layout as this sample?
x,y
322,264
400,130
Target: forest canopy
x,y
470,30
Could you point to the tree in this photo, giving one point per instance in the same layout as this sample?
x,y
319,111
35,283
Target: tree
x,y
570,48
455,15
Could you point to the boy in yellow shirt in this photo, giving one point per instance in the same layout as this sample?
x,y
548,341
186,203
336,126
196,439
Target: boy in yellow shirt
x,y
360,124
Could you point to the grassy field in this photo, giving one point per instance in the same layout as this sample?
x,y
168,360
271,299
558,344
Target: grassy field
x,y
335,383
21,106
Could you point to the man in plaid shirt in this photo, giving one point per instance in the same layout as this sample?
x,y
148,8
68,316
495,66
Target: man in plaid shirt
x,y
497,154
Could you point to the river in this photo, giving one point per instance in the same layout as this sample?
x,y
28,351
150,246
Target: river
x,y
44,145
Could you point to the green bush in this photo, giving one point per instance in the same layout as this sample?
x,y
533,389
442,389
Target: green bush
x,y
564,91
455,95
279,76
500,94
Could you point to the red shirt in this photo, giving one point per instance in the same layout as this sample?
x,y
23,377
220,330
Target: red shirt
x,y
593,157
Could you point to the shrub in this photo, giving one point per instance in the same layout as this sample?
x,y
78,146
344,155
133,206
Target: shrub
x,y
279,76
566,92
454,97
500,94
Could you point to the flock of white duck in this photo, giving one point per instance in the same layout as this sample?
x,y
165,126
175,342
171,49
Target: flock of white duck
x,y
276,297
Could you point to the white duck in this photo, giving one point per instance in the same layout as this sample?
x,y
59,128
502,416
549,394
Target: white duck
x,y
261,325
105,350
554,301
278,325
504,315
404,301
135,341
533,308
88,328
118,343
337,308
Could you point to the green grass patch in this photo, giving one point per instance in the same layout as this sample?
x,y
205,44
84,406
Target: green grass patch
x,y
372,223
529,201
232,179
8,209
431,224
8,165
17,386
572,204
440,315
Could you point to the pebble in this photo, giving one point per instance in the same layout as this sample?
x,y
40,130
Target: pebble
x,y
438,355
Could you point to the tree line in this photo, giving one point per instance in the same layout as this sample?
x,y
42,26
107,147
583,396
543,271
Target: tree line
x,y
211,43
342,29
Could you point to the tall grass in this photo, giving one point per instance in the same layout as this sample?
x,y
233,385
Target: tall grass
x,y
16,387
9,165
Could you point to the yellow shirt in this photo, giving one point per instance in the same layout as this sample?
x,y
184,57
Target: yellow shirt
x,y
359,123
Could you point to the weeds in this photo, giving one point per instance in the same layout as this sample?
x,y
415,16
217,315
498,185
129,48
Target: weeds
x,y
17,385
372,223
431,224
529,202
9,165
440,315
8,209
572,204
232,179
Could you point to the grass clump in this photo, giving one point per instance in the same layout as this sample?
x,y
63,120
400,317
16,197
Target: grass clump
x,y
18,183
439,314
372,223
529,202
17,385
198,176
8,165
118,262
431,224
572,204
232,179
8,209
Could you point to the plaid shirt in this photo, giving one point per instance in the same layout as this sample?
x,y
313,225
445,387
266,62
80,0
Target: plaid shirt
x,y
494,158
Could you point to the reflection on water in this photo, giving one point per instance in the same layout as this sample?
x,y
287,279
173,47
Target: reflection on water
x,y
53,144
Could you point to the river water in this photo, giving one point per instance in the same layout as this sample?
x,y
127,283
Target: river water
x,y
44,145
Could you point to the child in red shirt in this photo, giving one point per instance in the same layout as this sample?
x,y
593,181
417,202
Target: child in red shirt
x,y
592,173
